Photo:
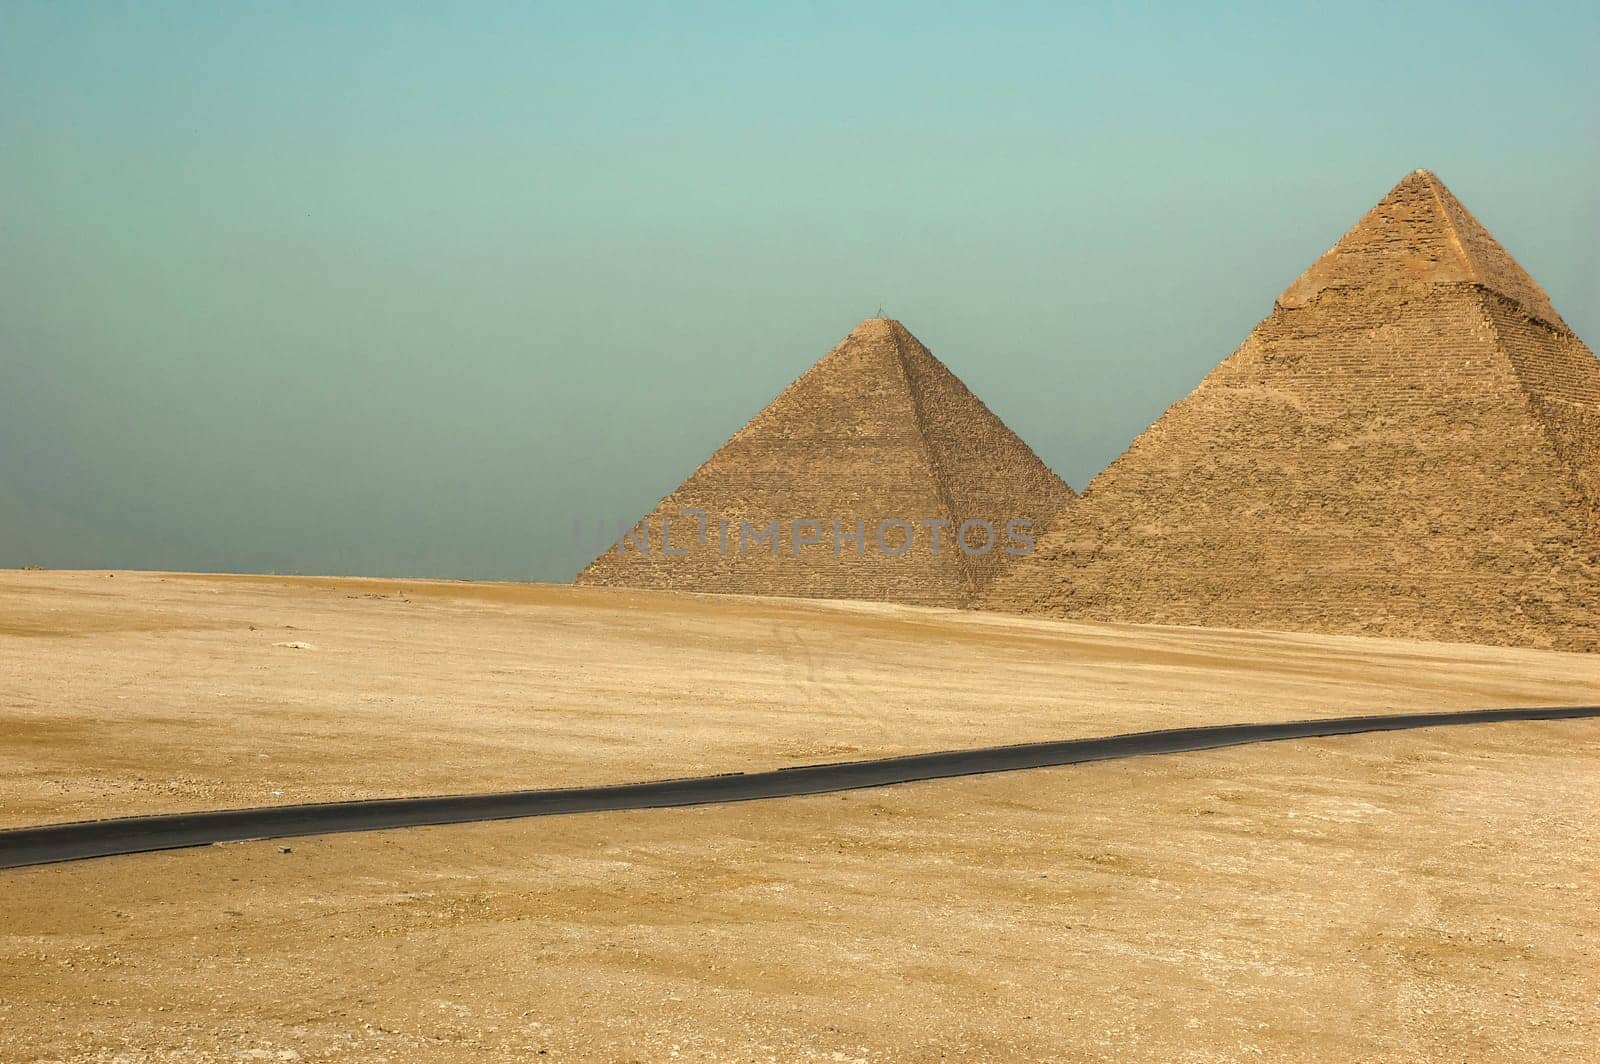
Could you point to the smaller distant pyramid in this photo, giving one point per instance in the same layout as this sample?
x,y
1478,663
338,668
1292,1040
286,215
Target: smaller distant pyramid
x,y
876,475
1408,445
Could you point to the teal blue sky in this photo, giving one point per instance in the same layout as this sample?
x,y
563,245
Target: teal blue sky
x,y
404,289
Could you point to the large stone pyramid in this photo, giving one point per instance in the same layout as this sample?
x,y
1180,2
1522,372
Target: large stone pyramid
x,y
877,437
1408,445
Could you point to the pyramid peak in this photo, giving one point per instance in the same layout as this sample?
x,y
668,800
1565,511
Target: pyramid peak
x,y
1420,234
879,326
1420,180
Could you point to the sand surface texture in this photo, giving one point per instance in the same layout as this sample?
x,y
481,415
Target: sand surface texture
x,y
1432,895
139,693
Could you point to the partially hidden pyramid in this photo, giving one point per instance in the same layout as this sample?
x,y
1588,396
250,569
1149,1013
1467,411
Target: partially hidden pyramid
x,y
876,475
1408,445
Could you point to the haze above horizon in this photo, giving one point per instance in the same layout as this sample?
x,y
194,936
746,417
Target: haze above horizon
x,y
375,290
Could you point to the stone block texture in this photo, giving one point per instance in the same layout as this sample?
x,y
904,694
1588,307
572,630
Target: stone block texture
x,y
877,430
1408,445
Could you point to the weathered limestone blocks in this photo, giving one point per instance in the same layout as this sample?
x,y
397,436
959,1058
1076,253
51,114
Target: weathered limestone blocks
x,y
1408,445
879,435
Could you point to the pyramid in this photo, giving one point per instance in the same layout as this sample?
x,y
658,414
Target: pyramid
x,y
1408,445
877,438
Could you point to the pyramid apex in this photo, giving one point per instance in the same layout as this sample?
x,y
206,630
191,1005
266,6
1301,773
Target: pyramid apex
x,y
1423,179
1420,234
879,326
1420,178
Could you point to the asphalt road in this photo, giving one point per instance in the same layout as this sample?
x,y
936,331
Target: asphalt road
x,y
20,847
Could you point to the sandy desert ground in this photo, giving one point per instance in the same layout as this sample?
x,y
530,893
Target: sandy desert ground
x,y
135,692
1419,896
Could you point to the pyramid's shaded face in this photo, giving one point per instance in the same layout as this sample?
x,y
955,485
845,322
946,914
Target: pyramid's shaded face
x,y
875,475
1408,445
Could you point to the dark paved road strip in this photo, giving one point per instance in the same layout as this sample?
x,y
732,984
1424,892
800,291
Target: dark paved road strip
x,y
168,831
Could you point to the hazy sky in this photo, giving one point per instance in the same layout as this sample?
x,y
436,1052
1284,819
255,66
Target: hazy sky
x,y
394,289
